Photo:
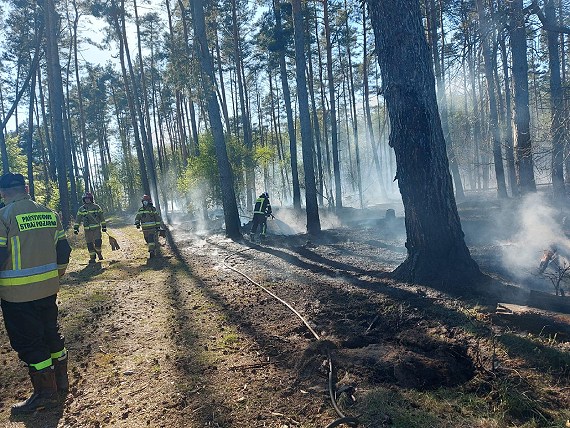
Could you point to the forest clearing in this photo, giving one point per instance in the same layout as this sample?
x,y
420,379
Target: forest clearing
x,y
183,341
416,266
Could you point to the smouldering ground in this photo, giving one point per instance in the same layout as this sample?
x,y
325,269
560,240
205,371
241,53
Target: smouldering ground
x,y
183,341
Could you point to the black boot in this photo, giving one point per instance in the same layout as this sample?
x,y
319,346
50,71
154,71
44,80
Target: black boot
x,y
100,255
61,378
45,393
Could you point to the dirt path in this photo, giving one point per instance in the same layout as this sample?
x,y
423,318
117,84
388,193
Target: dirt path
x,y
151,344
183,341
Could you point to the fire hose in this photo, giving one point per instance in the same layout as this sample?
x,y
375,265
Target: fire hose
x,y
348,420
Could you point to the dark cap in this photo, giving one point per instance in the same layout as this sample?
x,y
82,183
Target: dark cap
x,y
11,180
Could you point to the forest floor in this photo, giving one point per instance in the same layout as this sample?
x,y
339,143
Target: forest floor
x,y
184,341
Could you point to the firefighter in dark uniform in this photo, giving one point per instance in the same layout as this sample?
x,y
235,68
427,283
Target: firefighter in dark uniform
x,y
261,211
34,253
91,215
149,220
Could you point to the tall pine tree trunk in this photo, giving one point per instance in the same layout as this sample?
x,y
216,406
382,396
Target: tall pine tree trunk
x,y
333,112
493,112
287,99
231,216
56,104
313,221
436,249
524,162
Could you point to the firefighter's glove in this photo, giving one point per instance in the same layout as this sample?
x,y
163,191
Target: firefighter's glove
x,y
138,226
104,229
75,231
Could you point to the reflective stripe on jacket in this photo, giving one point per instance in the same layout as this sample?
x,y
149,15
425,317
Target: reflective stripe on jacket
x,y
30,233
91,216
148,217
262,206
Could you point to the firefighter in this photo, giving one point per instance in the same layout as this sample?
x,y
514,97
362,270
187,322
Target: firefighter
x,y
91,215
34,253
261,211
149,219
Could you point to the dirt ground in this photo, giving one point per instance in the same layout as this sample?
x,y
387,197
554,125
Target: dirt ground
x,y
186,340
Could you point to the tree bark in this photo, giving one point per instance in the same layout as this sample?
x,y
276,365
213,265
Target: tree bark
x,y
523,144
437,253
486,32
56,104
229,203
287,99
332,103
313,221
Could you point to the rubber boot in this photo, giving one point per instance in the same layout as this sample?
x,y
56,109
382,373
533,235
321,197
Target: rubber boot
x,y
45,393
61,377
92,260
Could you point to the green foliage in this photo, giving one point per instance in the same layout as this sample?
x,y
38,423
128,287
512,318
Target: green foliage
x,y
16,156
263,155
201,178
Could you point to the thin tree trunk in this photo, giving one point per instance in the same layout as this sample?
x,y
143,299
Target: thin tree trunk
x,y
332,102
208,86
493,113
524,162
313,221
56,103
288,109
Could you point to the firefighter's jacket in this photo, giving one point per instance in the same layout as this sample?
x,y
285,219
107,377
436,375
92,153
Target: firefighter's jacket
x,y
262,206
33,247
91,216
148,218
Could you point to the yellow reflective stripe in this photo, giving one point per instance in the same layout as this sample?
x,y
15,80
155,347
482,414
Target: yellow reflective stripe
x,y
42,364
3,241
63,266
59,355
31,279
16,256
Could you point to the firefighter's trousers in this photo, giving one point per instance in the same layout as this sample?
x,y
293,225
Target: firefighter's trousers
x,y
259,220
33,330
94,241
151,239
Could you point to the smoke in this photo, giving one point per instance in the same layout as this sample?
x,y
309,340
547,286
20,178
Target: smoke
x,y
539,227
288,221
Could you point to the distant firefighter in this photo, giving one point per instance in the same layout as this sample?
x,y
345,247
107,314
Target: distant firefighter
x,y
261,211
557,255
91,216
149,219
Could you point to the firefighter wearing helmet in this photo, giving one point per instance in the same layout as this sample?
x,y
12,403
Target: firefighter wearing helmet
x,y
91,216
261,211
149,220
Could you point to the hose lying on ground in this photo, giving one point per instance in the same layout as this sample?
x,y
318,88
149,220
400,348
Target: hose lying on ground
x,y
350,421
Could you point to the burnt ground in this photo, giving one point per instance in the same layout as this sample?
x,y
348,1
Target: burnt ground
x,y
185,341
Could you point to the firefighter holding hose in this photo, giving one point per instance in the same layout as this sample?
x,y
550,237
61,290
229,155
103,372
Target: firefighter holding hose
x,y
261,211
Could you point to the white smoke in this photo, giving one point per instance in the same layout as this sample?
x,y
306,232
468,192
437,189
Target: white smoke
x,y
539,228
